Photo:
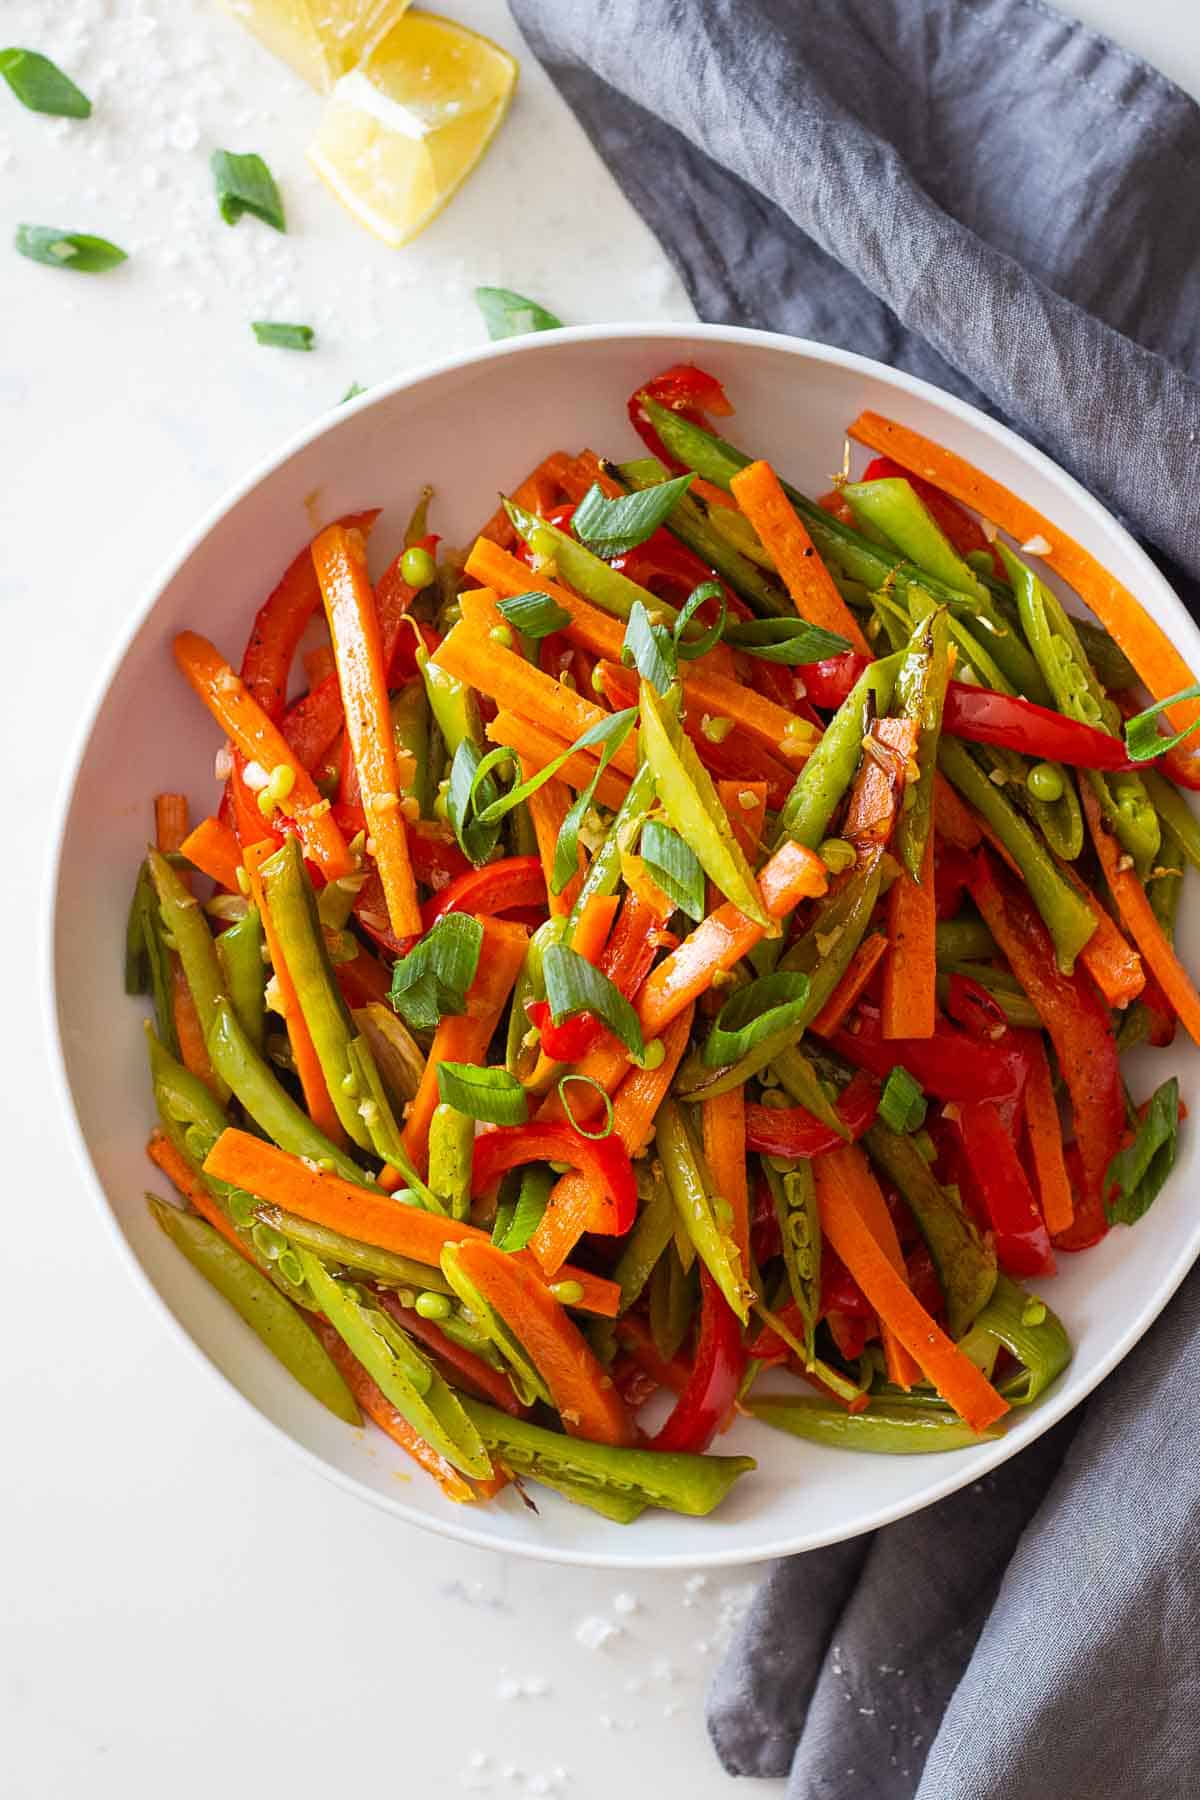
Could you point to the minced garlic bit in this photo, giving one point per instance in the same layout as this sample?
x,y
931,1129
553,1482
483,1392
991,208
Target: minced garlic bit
x,y
747,799
1123,863
318,809
410,808
998,776
223,762
384,803
274,996
228,682
1037,545
370,846
989,530
255,776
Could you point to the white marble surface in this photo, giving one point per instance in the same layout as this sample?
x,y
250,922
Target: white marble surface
x,y
184,1606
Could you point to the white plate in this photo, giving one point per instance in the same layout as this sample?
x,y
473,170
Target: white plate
x,y
472,426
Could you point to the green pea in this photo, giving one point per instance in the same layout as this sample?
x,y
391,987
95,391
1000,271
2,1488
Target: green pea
x,y
837,855
567,1293
653,1054
1045,782
433,1306
418,567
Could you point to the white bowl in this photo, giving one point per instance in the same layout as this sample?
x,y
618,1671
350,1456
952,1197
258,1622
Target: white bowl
x,y
470,426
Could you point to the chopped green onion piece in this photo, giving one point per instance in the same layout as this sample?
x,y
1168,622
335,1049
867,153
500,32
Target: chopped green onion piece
x,y
246,185
67,249
573,985
649,649
432,980
483,1093
902,1104
1141,734
613,527
470,782
534,615
511,315
532,1200
284,337
352,392
688,649
41,85
675,867
1138,1172
586,1081
789,641
753,1013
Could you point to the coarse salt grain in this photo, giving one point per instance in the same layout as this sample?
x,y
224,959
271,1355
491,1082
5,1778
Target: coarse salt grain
x,y
595,1633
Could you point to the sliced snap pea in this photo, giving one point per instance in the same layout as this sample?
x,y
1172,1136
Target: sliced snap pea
x,y
451,1146
886,1428
187,928
147,959
688,521
240,952
691,1188
384,1266
965,1262
831,768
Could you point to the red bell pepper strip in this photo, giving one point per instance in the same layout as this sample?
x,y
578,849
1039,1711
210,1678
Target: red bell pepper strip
x,y
791,1131
985,717
436,858
495,888
626,960
477,1376
280,623
828,682
956,523
949,1065
972,1007
603,1162
1078,1024
717,1367
311,726
393,597
1022,1241
685,389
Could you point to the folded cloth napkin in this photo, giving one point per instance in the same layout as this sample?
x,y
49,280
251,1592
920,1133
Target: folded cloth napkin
x,y
990,196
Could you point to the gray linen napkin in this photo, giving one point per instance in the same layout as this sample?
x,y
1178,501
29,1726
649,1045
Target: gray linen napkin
x,y
997,199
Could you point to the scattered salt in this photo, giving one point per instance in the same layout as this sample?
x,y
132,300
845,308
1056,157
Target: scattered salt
x,y
625,1603
596,1633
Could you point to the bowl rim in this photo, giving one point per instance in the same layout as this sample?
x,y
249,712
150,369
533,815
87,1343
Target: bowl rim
x,y
1066,1395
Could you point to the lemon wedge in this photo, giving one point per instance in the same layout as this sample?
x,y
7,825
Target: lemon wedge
x,y
403,130
322,40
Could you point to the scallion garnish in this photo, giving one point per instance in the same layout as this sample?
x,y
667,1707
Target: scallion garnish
x,y
1141,732
613,527
649,648
492,1095
688,649
511,315
789,641
1136,1174
352,392
585,1081
753,1013
531,1202
41,85
283,337
902,1104
68,249
675,866
246,185
535,615
574,985
432,980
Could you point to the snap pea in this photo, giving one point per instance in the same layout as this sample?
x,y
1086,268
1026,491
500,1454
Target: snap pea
x,y
621,1508
604,870
451,1144
800,1080
1113,668
182,1098
383,1266
692,1190
885,1428
958,940
410,732
272,1318
375,1110
823,954
147,959
520,1058
1077,693
794,1195
527,1382
1176,814
240,953
672,1302
672,1479
1067,915
187,928
453,705
832,766
268,1103
688,521
581,568
1029,1331
1163,892
407,1378
1010,997
920,694
965,1262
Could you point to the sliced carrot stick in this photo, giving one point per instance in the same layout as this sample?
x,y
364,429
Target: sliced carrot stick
x,y
548,808
1139,918
745,802
464,1037
849,1169
718,942
1046,1141
954,1375
478,606
538,493
581,1388
170,821
723,1120
304,1055
518,687
636,879
184,1179
955,820
768,723
340,559
1111,961
757,491
1143,640
849,989
635,1103
909,1004
541,747
595,922
583,471
214,849
243,720
367,1214
605,1063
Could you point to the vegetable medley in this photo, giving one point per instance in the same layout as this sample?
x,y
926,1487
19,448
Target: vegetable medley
x,y
687,945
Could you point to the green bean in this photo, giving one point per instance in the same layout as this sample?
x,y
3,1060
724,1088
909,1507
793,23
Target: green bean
x,y
673,1479
1067,915
885,1428
407,1378
187,928
268,1103
652,1231
281,1328
240,952
965,1262
451,1145
688,521
604,870
410,732
691,1188
831,768
375,1110
302,944
453,705
959,940
921,686
1163,892
383,1266
147,959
